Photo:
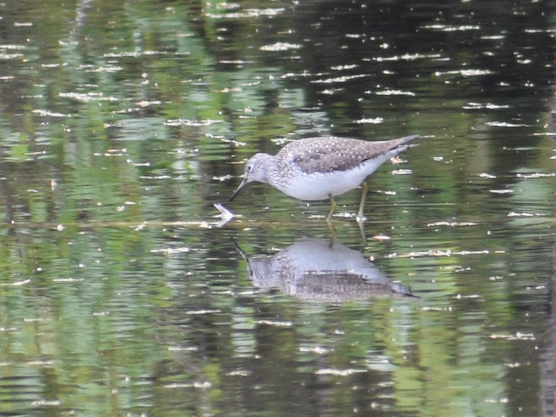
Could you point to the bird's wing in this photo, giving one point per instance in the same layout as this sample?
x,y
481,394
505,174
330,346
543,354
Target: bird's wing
x,y
338,154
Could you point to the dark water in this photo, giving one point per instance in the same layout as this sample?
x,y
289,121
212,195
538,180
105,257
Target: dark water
x,y
123,293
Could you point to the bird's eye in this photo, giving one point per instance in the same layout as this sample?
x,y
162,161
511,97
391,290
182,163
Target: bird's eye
x,y
248,168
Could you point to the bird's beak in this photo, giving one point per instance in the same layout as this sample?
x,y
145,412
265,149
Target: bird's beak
x,y
236,192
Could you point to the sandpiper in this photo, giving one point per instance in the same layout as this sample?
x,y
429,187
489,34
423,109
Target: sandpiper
x,y
322,168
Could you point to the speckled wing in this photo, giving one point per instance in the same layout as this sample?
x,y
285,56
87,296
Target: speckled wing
x,y
328,154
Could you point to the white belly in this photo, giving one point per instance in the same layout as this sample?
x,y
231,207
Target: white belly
x,y
311,187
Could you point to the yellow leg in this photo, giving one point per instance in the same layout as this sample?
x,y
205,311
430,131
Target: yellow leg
x,y
360,215
363,236
332,209
334,235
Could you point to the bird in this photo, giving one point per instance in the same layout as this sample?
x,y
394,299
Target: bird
x,y
312,269
321,168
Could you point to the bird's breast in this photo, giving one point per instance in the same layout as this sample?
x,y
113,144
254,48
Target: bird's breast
x,y
320,186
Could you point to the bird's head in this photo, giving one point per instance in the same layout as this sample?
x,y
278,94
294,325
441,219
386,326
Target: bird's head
x,y
255,170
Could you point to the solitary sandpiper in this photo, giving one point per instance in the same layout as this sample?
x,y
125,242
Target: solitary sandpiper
x,y
322,168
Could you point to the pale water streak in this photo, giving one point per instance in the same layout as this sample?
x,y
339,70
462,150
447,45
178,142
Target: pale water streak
x,y
121,288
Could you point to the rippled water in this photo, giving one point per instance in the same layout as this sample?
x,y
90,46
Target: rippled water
x,y
123,290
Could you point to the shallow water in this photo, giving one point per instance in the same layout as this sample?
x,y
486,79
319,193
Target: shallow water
x,y
124,292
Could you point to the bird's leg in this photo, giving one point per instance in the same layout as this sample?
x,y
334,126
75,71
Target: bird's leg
x,y
329,221
333,234
360,216
363,236
332,209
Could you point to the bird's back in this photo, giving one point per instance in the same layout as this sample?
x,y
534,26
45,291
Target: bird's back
x,y
329,154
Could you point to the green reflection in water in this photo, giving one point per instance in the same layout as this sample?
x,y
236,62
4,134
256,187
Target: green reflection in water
x,y
120,124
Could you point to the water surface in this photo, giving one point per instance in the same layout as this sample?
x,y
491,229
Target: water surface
x,y
122,292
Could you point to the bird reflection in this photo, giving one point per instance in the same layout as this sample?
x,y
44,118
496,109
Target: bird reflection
x,y
314,270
